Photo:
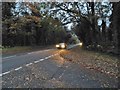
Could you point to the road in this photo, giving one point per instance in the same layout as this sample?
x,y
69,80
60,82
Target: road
x,y
47,69
14,61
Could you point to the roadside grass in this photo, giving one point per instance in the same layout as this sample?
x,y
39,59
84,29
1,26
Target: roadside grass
x,y
15,49
109,56
22,49
96,54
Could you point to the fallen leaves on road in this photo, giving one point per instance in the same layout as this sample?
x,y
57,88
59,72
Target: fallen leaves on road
x,y
92,60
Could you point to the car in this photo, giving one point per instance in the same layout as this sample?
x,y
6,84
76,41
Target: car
x,y
61,46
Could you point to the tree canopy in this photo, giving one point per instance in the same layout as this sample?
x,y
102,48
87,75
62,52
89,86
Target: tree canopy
x,y
42,23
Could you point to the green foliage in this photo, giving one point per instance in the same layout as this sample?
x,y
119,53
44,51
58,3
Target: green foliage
x,y
42,23
31,30
54,32
6,9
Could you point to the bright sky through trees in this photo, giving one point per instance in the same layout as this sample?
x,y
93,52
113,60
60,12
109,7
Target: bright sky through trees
x,y
83,10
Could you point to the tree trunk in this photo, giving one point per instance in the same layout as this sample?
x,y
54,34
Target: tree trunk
x,y
93,31
116,23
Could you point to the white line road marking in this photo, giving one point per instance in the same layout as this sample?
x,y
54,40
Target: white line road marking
x,y
41,59
51,56
46,57
36,61
27,53
9,57
5,73
29,64
18,68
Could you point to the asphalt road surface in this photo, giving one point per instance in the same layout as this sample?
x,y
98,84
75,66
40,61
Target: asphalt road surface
x,y
46,69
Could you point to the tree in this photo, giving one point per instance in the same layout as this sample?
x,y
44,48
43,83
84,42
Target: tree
x,y
6,14
29,26
81,13
6,9
116,23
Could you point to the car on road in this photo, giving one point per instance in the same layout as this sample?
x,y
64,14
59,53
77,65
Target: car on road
x,y
61,46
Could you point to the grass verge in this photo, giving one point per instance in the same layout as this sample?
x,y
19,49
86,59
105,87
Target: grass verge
x,y
22,49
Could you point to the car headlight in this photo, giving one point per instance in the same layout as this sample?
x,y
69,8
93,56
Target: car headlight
x,y
62,46
80,44
57,45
